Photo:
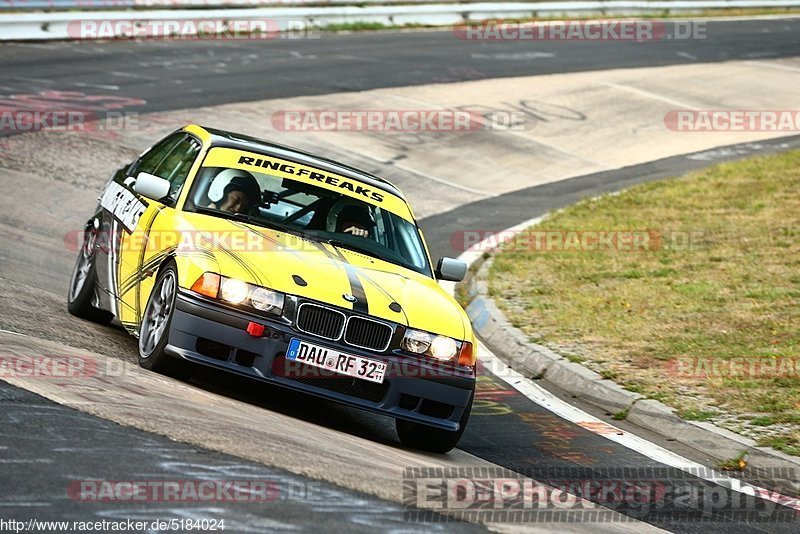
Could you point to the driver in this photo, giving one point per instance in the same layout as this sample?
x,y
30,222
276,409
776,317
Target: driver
x,y
356,220
240,195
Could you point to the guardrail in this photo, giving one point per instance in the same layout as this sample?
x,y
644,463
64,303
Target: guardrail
x,y
55,5
124,24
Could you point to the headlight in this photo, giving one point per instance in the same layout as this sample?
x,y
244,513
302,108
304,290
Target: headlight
x,y
417,341
443,348
234,291
438,347
266,300
239,293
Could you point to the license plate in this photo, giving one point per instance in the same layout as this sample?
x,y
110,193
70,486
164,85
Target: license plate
x,y
333,360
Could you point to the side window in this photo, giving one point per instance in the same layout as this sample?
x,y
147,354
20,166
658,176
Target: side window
x,y
150,161
177,163
170,159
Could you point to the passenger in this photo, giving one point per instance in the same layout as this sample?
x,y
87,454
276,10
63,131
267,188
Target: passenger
x,y
355,220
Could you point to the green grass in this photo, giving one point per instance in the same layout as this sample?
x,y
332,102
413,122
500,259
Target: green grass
x,y
786,443
609,374
621,416
769,420
721,286
696,415
737,463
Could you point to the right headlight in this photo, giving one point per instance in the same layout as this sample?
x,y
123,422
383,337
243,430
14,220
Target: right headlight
x,y
239,293
440,348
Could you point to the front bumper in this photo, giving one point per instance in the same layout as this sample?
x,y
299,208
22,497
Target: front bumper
x,y
415,390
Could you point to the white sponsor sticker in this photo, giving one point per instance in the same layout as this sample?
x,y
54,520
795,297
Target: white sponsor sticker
x,y
123,205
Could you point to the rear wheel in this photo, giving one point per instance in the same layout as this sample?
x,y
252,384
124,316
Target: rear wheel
x,y
82,284
155,325
429,438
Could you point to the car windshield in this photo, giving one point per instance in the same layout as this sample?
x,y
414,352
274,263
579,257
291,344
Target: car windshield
x,y
317,213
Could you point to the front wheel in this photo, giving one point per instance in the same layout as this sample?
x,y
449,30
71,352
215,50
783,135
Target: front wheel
x,y
155,325
82,284
431,439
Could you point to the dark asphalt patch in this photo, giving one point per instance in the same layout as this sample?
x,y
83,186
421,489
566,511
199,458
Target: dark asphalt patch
x,y
47,450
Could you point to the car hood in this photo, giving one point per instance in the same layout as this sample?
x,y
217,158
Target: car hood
x,y
322,272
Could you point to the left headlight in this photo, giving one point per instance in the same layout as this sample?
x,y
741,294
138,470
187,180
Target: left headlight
x,y
440,348
239,293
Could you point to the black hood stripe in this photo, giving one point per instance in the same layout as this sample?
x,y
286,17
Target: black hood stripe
x,y
380,288
356,288
360,305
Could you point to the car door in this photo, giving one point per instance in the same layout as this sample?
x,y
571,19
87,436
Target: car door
x,y
131,216
117,194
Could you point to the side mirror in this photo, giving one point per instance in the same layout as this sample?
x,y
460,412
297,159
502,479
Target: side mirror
x,y
151,186
451,270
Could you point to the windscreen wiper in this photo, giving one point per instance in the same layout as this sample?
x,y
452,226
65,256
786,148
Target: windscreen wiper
x,y
344,244
247,218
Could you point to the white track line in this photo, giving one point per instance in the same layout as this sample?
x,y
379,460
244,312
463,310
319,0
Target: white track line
x,y
550,402
12,333
650,95
779,66
575,415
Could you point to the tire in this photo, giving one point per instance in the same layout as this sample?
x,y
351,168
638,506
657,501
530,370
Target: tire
x,y
428,438
155,325
83,282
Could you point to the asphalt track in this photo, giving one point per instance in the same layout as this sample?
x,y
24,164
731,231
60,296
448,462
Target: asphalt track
x,y
186,74
47,446
508,429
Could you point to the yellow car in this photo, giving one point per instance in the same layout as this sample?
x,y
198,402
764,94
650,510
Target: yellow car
x,y
250,257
